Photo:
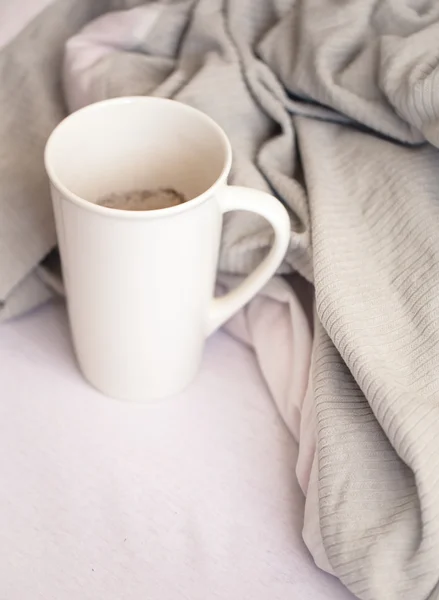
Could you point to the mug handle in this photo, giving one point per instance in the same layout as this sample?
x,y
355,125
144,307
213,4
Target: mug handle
x,y
233,197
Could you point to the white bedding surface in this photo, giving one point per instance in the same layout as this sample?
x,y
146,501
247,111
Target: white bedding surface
x,y
191,498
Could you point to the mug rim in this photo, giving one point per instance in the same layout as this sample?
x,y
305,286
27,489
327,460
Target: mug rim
x,y
141,214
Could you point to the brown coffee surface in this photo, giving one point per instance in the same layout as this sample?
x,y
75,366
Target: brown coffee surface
x,y
143,199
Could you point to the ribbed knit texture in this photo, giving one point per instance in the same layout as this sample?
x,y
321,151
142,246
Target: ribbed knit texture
x,y
377,355
328,104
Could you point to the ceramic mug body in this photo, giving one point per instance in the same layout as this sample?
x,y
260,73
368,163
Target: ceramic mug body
x,y
139,285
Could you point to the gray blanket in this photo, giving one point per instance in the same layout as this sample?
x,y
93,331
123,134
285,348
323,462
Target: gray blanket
x,y
333,105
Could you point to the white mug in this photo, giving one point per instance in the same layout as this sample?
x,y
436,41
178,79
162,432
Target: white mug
x,y
139,285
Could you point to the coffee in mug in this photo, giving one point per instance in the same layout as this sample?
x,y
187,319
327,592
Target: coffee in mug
x,y
143,199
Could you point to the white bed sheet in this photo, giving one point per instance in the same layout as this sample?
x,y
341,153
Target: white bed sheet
x,y
191,498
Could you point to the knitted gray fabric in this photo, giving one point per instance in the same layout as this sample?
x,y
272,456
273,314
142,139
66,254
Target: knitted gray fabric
x,y
328,81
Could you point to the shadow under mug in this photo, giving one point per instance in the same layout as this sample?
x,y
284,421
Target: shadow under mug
x,y
139,285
